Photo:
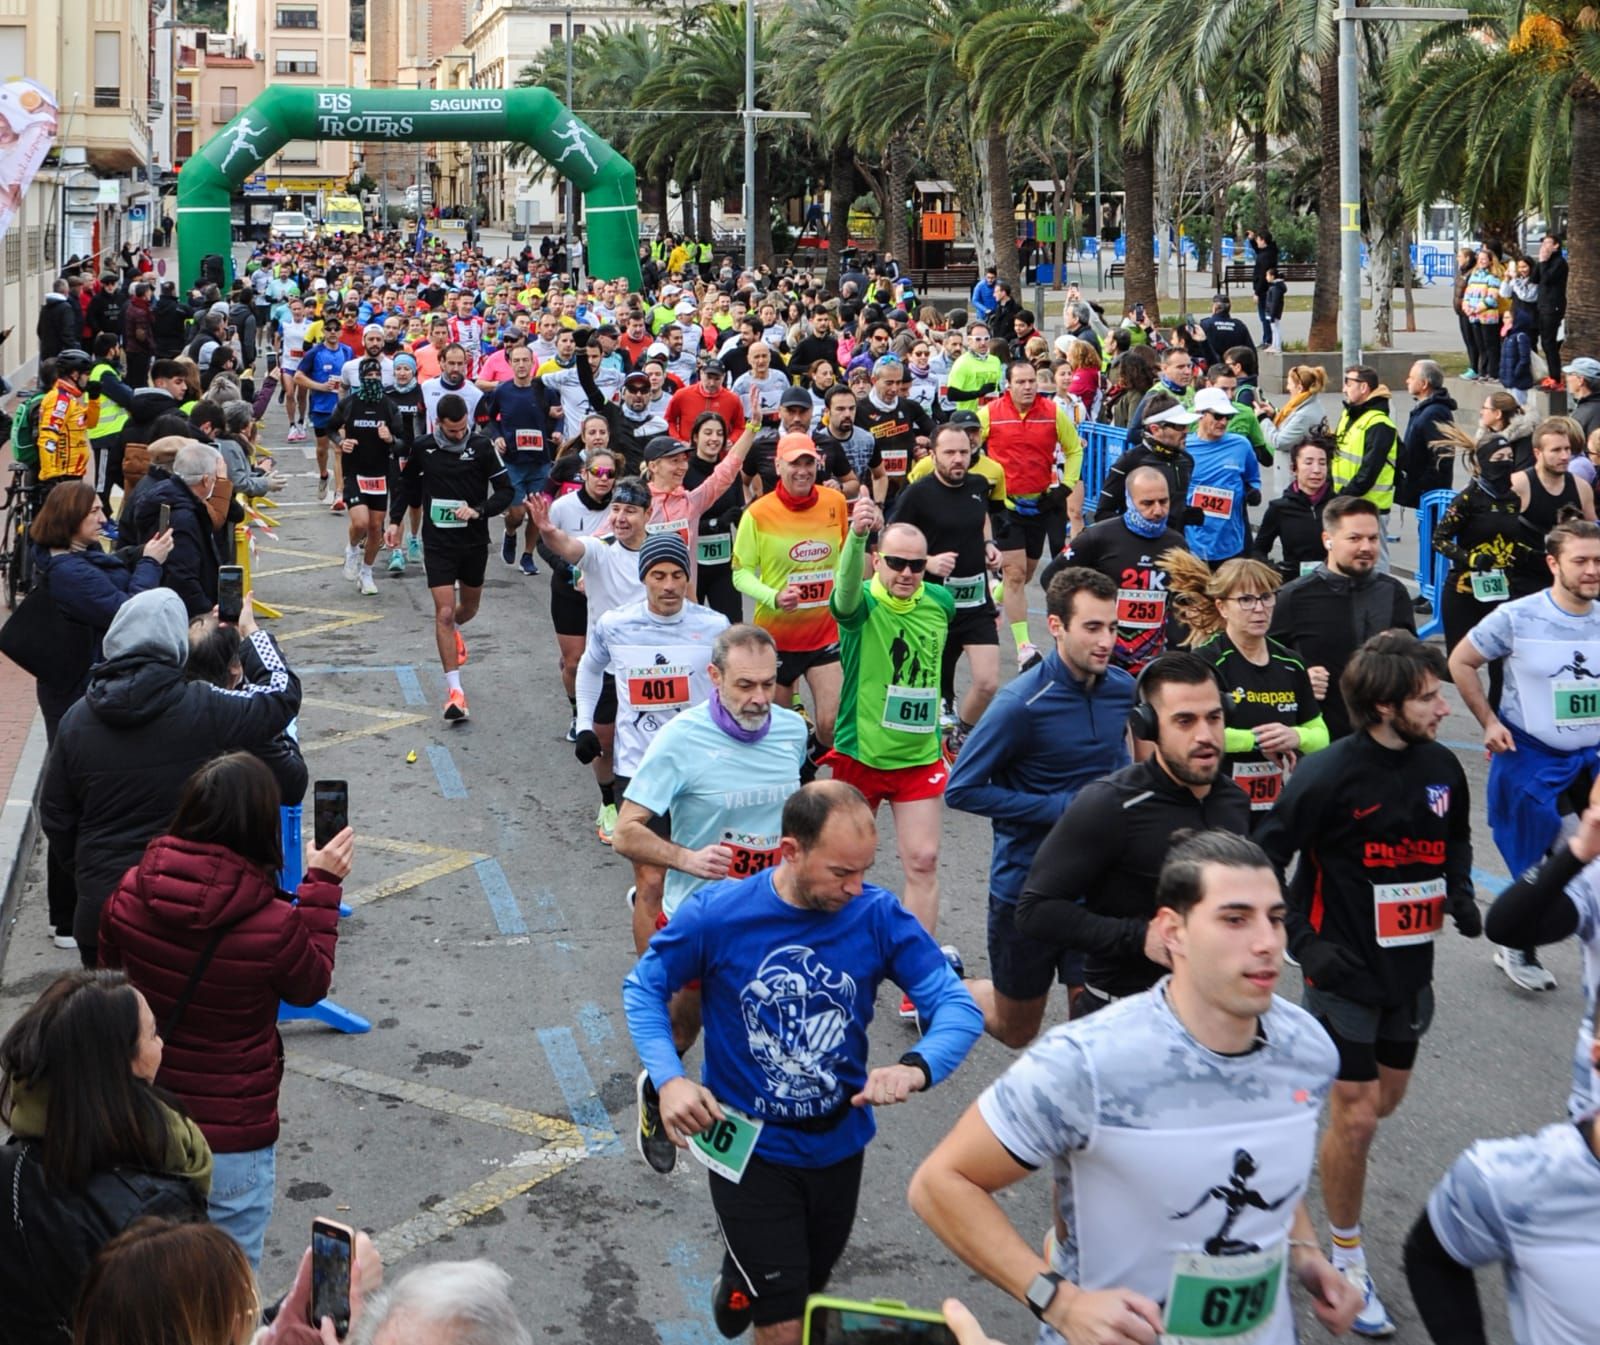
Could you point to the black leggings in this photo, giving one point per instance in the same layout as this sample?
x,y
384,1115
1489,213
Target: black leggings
x,y
717,592
1486,346
1460,612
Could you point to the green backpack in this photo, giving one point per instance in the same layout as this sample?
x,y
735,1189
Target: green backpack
x,y
25,431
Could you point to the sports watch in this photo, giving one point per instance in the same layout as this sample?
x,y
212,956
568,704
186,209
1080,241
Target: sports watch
x,y
1042,1292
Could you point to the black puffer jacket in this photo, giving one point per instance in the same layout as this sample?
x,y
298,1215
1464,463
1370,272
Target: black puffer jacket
x,y
123,753
191,569
48,1239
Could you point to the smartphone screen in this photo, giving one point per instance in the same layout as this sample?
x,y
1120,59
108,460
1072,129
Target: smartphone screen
x,y
871,1324
166,518
330,805
230,593
331,1258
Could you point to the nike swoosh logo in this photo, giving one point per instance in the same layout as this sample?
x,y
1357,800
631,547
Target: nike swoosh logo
x,y
1359,813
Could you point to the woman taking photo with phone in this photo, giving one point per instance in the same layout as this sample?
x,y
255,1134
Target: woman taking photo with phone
x,y
94,1146
206,936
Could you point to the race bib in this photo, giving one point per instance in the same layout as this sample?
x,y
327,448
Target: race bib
x,y
1408,913
372,485
1309,567
1261,780
442,513
894,461
751,853
816,587
1141,608
658,687
911,709
529,441
727,1146
714,550
1226,1298
679,526
1213,501
1490,586
970,591
1577,704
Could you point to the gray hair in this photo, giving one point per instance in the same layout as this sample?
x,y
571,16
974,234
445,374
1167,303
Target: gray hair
x,y
742,636
1430,373
237,415
195,461
62,287
469,1301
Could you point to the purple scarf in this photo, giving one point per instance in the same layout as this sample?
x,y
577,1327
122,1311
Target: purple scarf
x,y
731,726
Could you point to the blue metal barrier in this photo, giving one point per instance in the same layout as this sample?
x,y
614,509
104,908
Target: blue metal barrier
x,y
1102,446
294,867
1432,568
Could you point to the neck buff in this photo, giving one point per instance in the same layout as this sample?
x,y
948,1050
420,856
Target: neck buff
x,y
371,390
731,726
1316,497
445,380
1140,526
796,502
899,606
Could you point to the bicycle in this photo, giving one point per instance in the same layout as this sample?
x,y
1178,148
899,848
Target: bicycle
x,y
16,553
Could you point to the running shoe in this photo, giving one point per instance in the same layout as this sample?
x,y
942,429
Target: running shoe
x,y
650,1135
1523,969
908,1010
1470,375
508,548
630,894
1373,1320
1550,384
455,708
397,560
64,941
352,562
730,1307
952,955
461,649
327,490
953,742
529,565
1027,655
369,585
294,436
947,714
339,506
572,730
414,548
605,822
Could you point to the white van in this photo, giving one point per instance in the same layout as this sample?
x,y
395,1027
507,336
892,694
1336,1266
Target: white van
x,y
288,225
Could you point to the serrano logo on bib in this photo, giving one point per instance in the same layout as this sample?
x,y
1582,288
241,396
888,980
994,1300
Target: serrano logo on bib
x,y
809,549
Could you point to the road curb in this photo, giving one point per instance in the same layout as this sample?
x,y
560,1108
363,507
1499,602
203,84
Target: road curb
x,y
19,828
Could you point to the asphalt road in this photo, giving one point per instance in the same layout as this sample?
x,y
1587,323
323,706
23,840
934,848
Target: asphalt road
x,y
489,1110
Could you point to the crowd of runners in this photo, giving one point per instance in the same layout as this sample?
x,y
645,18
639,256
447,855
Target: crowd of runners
x,y
787,534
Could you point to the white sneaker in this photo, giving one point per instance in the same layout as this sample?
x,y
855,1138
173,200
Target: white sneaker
x,y
369,585
328,497
1027,655
1523,969
64,941
1373,1319
352,562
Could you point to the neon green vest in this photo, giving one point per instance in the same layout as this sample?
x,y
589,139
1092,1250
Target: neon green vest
x,y
112,416
705,253
1351,439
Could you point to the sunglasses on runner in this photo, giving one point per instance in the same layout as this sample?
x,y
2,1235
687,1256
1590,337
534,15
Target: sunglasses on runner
x,y
898,563
603,473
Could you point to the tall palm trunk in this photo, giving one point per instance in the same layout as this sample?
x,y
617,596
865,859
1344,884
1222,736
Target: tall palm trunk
x,y
1583,243
1139,182
841,190
1325,295
897,229
1002,211
1263,204
763,202
702,209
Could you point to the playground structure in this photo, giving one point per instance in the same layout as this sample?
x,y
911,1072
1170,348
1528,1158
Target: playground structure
x,y
536,117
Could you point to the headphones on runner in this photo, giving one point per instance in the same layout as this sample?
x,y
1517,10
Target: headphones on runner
x,y
1142,721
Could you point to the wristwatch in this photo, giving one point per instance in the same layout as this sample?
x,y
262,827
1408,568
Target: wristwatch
x,y
1042,1292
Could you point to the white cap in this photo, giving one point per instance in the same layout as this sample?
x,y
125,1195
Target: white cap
x,y
688,306
1214,399
319,284
1174,415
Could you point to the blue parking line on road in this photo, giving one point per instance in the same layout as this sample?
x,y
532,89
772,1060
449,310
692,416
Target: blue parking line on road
x,y
502,900
451,785
583,1100
1492,883
684,1333
685,1258
596,1025
410,685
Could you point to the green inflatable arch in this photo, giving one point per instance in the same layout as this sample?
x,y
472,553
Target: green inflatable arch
x,y
534,116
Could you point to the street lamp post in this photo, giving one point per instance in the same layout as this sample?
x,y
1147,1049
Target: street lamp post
x,y
750,136
1350,14
566,192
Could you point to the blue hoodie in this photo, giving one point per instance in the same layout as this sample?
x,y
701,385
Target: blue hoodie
x,y
1043,737
1516,351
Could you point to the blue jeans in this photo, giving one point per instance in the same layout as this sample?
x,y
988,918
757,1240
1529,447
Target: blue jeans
x,y
242,1187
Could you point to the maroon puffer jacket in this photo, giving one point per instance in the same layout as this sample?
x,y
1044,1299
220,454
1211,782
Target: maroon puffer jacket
x,y
225,1059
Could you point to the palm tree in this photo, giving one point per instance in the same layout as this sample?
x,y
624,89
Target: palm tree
x,y
1517,88
903,73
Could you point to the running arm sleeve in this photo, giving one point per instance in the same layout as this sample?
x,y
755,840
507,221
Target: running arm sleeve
x,y
746,557
644,1001
847,592
1445,1291
1536,909
590,679
1313,734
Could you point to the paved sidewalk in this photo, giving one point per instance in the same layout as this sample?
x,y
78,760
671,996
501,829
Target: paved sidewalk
x,y
22,754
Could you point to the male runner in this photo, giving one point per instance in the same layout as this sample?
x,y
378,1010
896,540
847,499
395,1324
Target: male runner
x,y
517,416
785,556
1049,731
452,379
1023,432
790,961
318,372
839,429
1545,493
834,466
1545,738
369,426
372,342
1092,887
898,426
456,477
1179,1126
892,631
1162,447
654,655
291,350
720,772
1382,823
975,373
1227,477
951,508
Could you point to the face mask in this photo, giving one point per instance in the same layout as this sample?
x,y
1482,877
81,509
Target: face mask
x,y
1495,474
1140,526
371,390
